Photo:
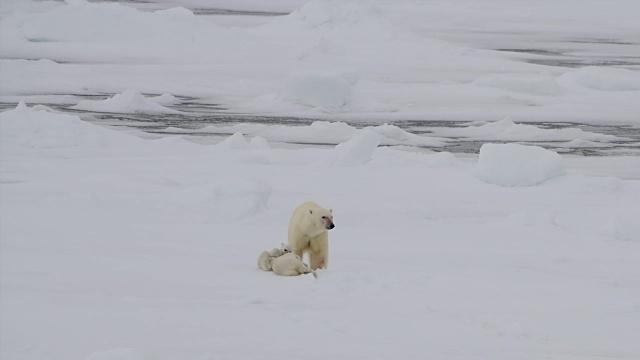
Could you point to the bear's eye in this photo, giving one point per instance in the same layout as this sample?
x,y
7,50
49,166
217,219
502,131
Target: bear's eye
x,y
324,217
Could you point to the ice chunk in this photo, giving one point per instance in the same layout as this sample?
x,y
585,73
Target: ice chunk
x,y
130,101
357,150
517,165
234,142
165,99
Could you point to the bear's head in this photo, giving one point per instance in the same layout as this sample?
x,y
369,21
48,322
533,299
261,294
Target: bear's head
x,y
322,218
286,248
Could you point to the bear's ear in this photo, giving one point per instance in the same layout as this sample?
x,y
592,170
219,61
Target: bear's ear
x,y
331,211
310,211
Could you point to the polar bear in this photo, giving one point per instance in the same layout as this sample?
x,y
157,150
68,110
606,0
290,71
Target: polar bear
x,y
308,233
291,265
266,257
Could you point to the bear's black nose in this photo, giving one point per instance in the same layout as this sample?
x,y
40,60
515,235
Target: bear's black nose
x,y
331,226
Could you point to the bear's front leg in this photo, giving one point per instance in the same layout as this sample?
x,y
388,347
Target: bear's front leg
x,y
318,261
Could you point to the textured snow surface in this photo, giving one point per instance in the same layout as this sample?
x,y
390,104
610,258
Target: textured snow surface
x,y
121,248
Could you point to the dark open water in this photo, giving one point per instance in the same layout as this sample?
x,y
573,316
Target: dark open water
x,y
198,115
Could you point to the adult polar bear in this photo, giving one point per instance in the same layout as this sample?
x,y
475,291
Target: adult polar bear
x,y
309,233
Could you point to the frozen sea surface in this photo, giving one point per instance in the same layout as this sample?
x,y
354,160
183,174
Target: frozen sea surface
x,y
144,247
551,44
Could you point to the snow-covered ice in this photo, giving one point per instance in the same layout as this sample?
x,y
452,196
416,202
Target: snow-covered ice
x,y
149,151
115,247
381,60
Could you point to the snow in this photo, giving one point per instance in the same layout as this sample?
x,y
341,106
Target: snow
x,y
540,85
600,79
239,200
518,165
130,101
317,90
118,354
61,131
116,246
146,249
87,22
337,21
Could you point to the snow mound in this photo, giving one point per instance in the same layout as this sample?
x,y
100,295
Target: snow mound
x,y
319,88
531,84
506,129
234,142
27,128
165,100
603,79
81,21
128,102
517,165
240,199
357,150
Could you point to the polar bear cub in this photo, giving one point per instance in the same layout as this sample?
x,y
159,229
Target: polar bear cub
x,y
266,257
291,265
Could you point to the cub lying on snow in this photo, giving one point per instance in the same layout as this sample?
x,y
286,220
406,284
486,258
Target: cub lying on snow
x,y
290,264
266,258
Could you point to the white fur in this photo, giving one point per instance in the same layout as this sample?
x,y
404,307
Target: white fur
x,y
290,265
266,257
308,233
